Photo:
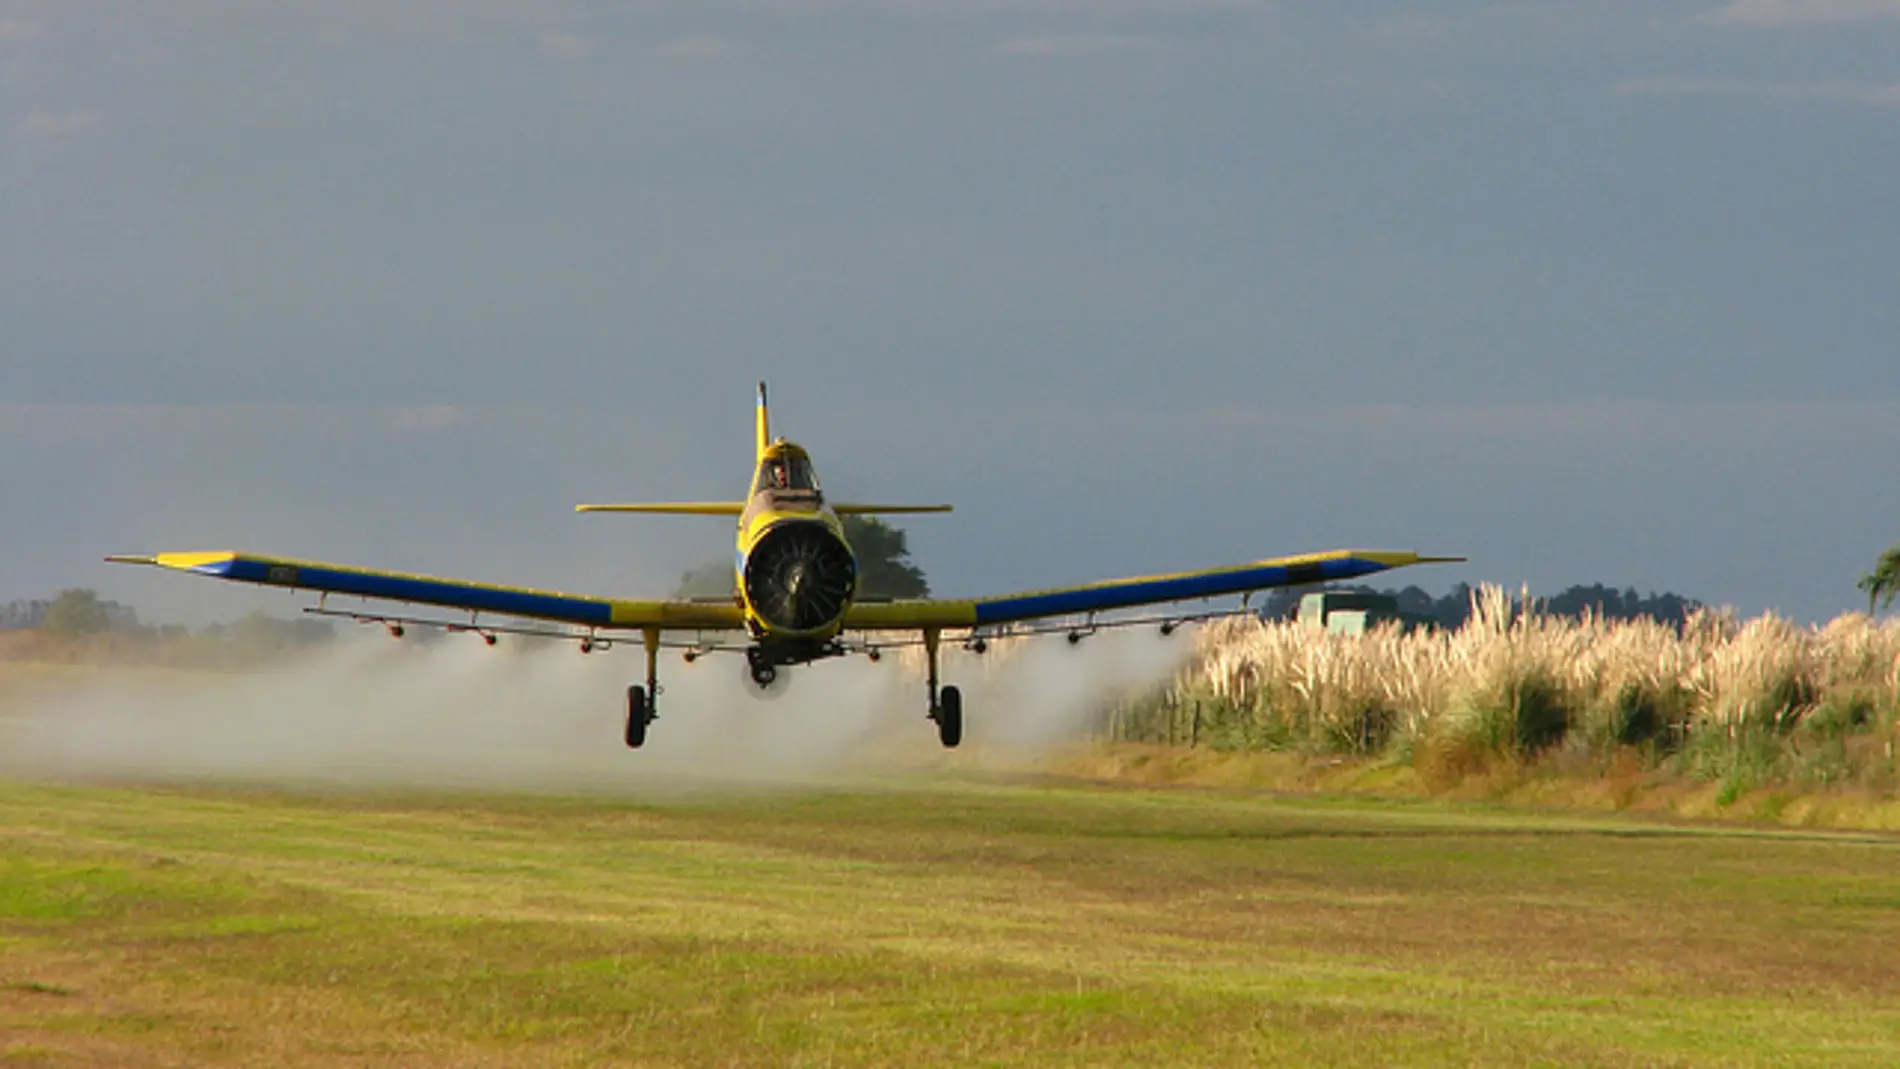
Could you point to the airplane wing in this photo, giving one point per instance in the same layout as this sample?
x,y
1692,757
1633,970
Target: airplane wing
x,y
915,614
451,593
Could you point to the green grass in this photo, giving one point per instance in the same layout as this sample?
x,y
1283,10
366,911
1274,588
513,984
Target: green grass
x,y
949,923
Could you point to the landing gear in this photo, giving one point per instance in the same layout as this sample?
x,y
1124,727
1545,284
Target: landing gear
x,y
639,715
946,703
770,673
643,702
763,671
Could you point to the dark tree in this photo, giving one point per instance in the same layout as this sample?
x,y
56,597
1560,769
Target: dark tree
x,y
76,612
1613,604
1414,599
885,569
1454,609
1283,603
1883,583
18,615
713,580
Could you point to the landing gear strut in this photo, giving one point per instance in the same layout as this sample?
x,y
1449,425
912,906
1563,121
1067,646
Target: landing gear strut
x,y
946,703
643,702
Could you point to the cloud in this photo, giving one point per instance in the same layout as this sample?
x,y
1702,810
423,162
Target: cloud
x,y
962,8
68,421
697,47
1529,420
1078,45
565,45
64,124
1801,12
425,418
1407,27
1880,96
19,30
440,14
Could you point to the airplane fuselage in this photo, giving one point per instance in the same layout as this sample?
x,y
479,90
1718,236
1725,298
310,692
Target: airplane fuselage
x,y
796,576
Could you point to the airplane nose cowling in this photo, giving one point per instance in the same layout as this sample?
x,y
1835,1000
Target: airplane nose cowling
x,y
800,577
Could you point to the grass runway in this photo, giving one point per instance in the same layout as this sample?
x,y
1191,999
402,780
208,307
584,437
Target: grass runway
x,y
936,923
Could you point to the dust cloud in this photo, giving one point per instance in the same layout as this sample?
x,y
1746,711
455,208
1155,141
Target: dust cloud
x,y
370,713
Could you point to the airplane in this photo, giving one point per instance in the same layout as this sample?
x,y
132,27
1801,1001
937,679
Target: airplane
x,y
795,593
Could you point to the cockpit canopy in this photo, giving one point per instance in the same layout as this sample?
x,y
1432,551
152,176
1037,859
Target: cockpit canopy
x,y
786,467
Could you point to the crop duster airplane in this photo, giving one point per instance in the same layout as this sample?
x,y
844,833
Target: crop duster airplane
x,y
795,598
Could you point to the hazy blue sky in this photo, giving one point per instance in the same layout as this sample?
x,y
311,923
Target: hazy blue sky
x,y
1589,291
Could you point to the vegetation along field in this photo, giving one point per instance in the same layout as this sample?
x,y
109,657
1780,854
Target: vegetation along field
x,y
947,922
1757,719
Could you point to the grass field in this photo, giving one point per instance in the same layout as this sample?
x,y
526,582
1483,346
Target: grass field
x,y
952,922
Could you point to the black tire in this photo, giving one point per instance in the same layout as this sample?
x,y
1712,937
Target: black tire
x,y
638,715
949,717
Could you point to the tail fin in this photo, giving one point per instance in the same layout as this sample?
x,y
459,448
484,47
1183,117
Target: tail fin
x,y
765,424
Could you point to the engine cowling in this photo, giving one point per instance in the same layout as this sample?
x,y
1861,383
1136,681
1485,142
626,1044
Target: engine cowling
x,y
800,577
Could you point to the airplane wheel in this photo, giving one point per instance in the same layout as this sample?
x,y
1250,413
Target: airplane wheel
x,y
949,717
639,715
764,675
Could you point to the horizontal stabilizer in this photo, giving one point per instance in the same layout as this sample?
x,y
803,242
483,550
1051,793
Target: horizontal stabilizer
x,y
870,510
679,508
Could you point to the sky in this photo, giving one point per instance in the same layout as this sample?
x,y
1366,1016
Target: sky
x,y
1589,292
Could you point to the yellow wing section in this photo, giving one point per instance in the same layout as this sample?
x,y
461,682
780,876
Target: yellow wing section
x,y
676,508
1110,594
452,593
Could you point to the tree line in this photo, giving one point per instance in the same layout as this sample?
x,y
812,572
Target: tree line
x,y
1451,610
79,626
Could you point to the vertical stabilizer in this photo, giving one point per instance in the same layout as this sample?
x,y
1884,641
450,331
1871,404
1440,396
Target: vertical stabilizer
x,y
765,423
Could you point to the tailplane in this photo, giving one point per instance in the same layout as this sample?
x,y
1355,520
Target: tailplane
x,y
676,508
789,482
844,509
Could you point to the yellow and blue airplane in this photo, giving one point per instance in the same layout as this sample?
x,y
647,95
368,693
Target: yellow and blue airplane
x,y
795,595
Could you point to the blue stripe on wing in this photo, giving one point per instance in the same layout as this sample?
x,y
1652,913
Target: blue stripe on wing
x,y
410,588
1175,588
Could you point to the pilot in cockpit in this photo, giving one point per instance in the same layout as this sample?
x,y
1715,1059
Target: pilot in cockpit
x,y
790,474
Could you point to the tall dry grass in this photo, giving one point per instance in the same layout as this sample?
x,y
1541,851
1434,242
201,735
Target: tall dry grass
x,y
1750,702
